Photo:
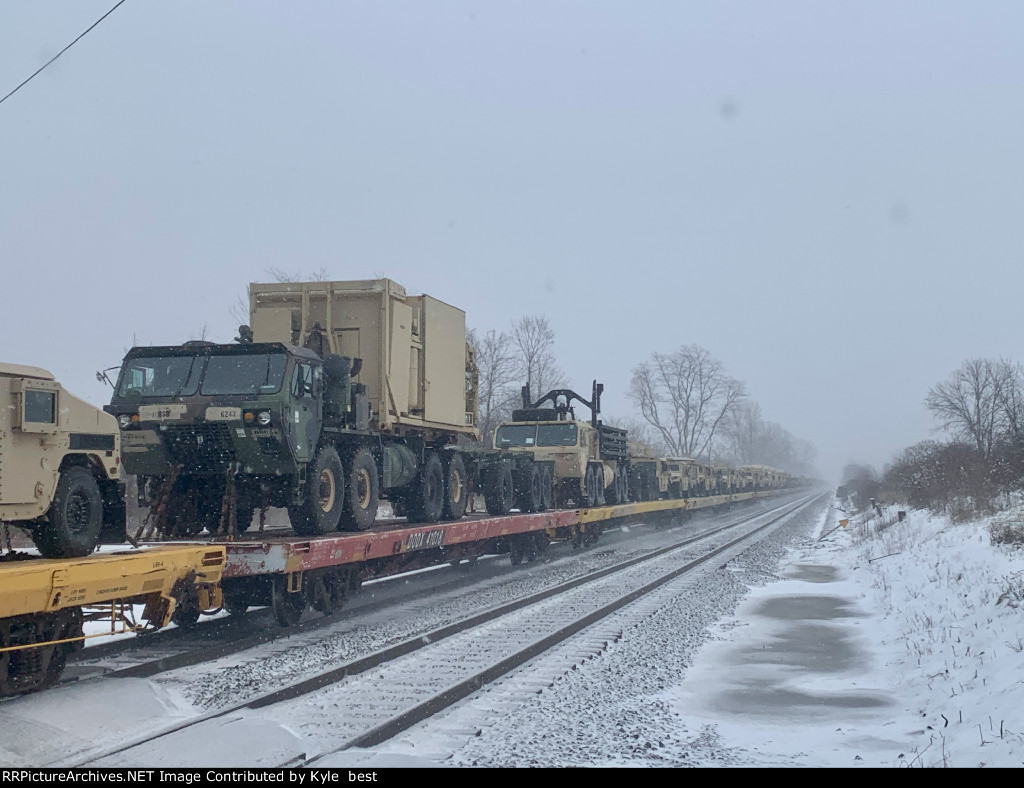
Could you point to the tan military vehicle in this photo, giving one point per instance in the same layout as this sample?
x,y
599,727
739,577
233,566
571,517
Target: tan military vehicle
x,y
60,464
727,479
588,460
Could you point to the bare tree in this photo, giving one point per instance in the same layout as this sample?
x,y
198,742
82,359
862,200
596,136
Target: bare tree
x,y
498,387
750,440
280,275
1011,399
686,397
639,432
239,310
970,403
535,341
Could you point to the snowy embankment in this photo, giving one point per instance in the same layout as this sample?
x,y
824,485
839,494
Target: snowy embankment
x,y
879,644
935,615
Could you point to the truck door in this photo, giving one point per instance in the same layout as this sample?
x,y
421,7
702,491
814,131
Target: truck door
x,y
306,410
31,447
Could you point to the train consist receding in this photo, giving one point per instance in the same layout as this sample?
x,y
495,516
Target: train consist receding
x,y
339,396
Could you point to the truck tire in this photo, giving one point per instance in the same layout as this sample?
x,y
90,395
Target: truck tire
x,y
323,496
499,491
599,484
589,488
456,488
75,517
547,489
614,494
529,497
426,501
362,482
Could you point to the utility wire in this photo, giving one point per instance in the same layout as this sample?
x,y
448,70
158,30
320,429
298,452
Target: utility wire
x,y
65,49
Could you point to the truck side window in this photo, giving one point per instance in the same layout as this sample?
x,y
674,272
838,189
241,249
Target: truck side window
x,y
41,406
302,383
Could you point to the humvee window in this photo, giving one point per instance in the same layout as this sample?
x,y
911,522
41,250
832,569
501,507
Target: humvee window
x,y
160,377
235,374
516,435
556,435
41,406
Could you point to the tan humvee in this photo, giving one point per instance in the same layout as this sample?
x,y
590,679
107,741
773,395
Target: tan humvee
x,y
60,463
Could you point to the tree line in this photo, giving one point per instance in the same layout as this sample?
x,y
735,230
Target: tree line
x,y
686,403
979,408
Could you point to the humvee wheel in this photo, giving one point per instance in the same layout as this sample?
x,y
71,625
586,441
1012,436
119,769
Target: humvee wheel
x,y
75,517
320,510
456,488
362,492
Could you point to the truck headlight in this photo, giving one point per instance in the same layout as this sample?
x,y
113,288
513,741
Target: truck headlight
x,y
124,420
263,419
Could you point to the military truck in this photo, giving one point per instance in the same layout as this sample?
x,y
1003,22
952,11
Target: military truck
x,y
60,465
587,461
336,395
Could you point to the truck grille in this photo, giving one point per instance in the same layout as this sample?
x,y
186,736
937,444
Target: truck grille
x,y
203,448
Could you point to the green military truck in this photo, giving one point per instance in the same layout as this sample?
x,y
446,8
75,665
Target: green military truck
x,y
339,394
60,465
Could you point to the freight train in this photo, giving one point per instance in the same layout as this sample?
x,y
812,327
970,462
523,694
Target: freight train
x,y
338,395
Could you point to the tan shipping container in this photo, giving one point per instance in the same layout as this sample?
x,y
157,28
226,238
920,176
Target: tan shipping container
x,y
413,348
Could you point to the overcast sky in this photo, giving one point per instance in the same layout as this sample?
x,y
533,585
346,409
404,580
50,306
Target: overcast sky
x,y
825,195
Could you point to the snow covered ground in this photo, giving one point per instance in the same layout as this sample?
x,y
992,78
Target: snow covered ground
x,y
881,644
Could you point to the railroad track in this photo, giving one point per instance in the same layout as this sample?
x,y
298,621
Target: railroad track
x,y
159,652
392,689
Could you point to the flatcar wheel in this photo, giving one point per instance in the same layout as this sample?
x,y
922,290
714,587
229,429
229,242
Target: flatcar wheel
x,y
515,551
576,538
288,606
530,551
186,610
33,669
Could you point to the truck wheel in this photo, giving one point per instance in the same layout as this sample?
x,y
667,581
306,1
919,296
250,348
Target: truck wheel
x,y
547,492
323,497
599,485
363,492
456,488
529,497
499,490
589,488
75,517
427,499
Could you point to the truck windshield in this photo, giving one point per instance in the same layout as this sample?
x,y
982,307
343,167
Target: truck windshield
x,y
535,435
556,435
515,435
160,377
262,374
172,376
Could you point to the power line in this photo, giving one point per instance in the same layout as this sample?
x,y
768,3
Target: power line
x,y
65,49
